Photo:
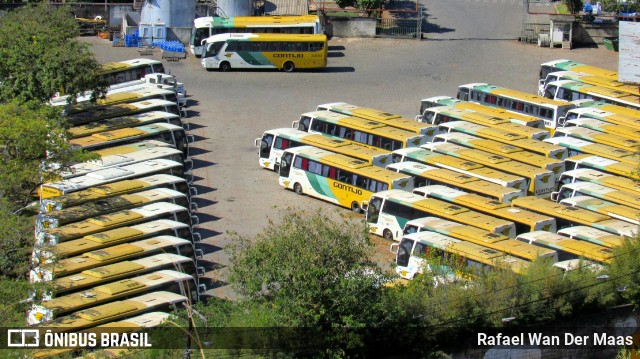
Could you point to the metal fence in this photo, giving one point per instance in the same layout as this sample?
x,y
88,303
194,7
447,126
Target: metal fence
x,y
400,28
531,31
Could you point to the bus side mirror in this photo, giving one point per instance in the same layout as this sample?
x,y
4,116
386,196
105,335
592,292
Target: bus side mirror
x,y
365,205
294,124
554,196
256,141
393,248
562,121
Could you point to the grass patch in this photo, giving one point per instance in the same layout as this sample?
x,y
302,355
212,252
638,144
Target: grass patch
x,y
562,9
344,13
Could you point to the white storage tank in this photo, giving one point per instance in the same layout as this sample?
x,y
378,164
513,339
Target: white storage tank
x,y
230,8
167,20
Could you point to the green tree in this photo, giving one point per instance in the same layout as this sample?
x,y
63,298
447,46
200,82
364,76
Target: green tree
x,y
367,5
39,56
574,6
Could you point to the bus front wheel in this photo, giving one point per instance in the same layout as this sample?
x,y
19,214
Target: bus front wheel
x,y
225,67
386,234
288,66
355,207
297,188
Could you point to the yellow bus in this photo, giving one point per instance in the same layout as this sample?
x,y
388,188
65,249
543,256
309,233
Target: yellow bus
x,y
505,150
111,204
424,175
444,114
165,280
568,248
335,178
390,119
389,211
129,70
122,110
121,159
568,90
626,119
628,133
506,137
600,178
547,109
593,235
597,205
113,174
598,137
264,51
368,132
135,95
525,221
105,222
100,192
110,259
478,236
276,141
125,121
567,216
569,65
414,251
473,169
101,314
602,164
540,182
625,198
594,80
512,117
577,146
608,107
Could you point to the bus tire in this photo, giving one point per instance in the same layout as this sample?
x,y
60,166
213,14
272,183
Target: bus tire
x,y
355,207
386,234
297,188
225,67
276,168
288,66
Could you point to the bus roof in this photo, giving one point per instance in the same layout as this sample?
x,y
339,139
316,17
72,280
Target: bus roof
x,y
265,37
516,94
120,65
251,21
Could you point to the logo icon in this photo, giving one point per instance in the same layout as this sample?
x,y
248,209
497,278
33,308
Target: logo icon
x,y
23,338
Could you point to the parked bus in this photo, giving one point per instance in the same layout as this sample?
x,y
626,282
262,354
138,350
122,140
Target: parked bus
x,y
605,128
608,107
602,164
372,133
137,95
498,113
505,150
568,65
598,137
467,259
479,237
389,119
113,174
335,178
509,138
112,237
129,70
123,270
568,248
443,114
101,314
424,175
108,205
547,109
165,280
601,115
264,51
100,192
593,235
274,142
205,27
131,147
389,211
525,221
600,178
473,169
613,210
124,109
625,198
115,123
577,146
117,160
609,83
105,222
567,90
540,182
111,257
567,216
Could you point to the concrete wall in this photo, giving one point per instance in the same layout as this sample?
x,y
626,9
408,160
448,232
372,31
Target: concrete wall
x,y
353,27
589,34
181,34
117,12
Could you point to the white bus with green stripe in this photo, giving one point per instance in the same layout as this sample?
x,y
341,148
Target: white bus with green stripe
x,y
336,178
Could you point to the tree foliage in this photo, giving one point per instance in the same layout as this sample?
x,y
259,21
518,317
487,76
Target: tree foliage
x,y
39,56
574,6
360,4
